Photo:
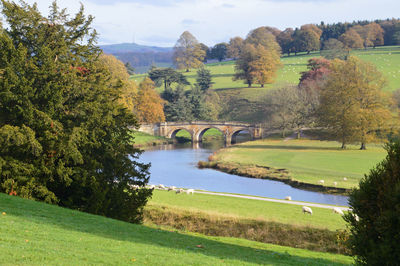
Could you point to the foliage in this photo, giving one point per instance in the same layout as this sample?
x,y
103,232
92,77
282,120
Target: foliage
x,y
219,51
315,77
334,48
187,52
204,79
286,41
148,103
64,137
167,76
292,108
374,221
352,103
259,59
129,68
306,40
351,39
120,77
234,47
178,106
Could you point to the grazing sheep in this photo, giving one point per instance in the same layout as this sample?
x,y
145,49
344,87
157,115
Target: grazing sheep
x,y
190,191
356,217
335,183
307,210
345,178
288,198
179,191
321,181
171,188
337,210
151,187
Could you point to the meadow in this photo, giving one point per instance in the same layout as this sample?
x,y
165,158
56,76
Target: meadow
x,y
386,59
36,233
307,161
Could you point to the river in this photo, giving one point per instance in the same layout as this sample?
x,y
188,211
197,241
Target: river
x,y
176,165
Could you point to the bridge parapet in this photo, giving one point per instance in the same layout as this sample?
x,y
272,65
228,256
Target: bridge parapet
x,y
197,128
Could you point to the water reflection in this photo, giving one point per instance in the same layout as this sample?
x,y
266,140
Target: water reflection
x,y
176,165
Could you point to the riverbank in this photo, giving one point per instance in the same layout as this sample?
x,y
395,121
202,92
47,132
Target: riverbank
x,y
143,140
267,222
307,164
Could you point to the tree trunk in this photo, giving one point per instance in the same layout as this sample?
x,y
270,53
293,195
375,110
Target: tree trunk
x,y
262,85
298,134
288,54
363,146
187,69
283,133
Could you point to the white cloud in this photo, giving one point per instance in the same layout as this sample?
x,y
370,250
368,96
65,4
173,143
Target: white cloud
x,y
159,22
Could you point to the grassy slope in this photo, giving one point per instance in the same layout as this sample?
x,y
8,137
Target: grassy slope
x,y
143,139
35,233
249,209
308,160
385,58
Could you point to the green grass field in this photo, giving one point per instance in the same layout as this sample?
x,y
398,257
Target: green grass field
x,y
308,160
144,139
34,233
386,59
249,209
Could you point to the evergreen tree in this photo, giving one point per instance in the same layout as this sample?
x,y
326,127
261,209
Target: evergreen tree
x,y
374,221
65,138
178,107
204,79
197,102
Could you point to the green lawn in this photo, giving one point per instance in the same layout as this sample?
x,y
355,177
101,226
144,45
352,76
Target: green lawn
x,y
308,160
141,138
33,233
249,209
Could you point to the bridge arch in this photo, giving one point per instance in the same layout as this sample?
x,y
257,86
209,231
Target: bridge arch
x,y
236,132
173,132
198,137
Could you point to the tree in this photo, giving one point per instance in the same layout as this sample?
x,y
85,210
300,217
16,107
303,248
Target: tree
x,y
196,99
353,105
129,68
374,220
64,136
334,48
371,34
219,51
259,58
120,77
264,65
292,108
204,79
234,47
306,40
242,64
167,76
351,39
285,40
148,103
187,52
178,106
316,75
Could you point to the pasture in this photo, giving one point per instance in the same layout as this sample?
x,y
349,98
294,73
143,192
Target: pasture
x,y
34,233
386,59
307,161
248,209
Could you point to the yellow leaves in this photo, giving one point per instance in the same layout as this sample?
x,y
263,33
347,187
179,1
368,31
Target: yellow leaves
x,y
148,103
3,213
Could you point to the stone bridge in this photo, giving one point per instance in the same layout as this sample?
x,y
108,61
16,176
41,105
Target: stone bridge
x,y
197,129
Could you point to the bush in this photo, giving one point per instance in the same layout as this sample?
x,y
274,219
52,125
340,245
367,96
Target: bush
x,y
374,222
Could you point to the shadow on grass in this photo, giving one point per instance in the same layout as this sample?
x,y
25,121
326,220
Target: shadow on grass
x,y
40,213
289,147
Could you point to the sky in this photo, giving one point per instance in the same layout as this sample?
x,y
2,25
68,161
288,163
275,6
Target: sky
x,y
161,22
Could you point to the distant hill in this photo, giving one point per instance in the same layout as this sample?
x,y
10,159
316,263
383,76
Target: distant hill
x,y
133,48
141,57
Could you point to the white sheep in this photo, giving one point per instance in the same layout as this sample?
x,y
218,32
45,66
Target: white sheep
x,y
307,210
190,191
151,186
288,198
338,210
345,178
321,181
179,191
171,188
335,183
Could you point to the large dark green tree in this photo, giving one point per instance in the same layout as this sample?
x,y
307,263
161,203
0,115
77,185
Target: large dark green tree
x,y
167,76
64,137
375,218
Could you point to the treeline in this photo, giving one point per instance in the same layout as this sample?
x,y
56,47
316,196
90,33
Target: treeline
x,y
314,37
